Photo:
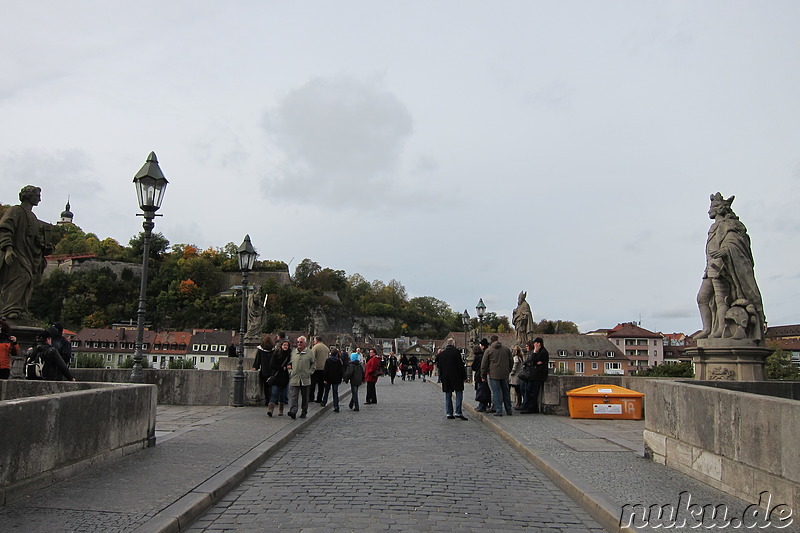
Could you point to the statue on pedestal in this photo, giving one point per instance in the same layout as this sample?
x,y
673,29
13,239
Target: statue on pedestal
x,y
24,242
729,299
522,318
256,302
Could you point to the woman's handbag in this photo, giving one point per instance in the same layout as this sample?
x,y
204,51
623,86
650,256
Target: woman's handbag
x,y
270,380
524,374
482,393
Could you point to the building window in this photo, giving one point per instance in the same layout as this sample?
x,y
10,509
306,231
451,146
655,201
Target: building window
x,y
562,353
562,365
594,365
579,353
579,367
76,344
613,366
202,359
194,359
108,358
195,347
112,345
609,354
204,348
594,353
213,359
119,359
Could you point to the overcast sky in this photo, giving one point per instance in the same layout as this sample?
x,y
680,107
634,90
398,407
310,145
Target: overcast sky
x,y
467,149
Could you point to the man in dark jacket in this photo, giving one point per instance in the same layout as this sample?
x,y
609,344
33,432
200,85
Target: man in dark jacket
x,y
496,367
62,345
453,375
53,366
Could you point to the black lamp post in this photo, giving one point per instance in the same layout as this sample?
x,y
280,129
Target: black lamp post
x,y
465,322
247,258
150,186
481,309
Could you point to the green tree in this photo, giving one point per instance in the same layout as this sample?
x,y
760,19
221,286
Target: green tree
x,y
181,364
780,366
89,361
683,369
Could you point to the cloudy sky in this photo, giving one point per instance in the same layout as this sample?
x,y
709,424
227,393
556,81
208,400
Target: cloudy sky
x,y
468,149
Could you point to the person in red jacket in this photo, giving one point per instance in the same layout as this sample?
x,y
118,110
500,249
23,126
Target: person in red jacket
x,y
8,349
373,371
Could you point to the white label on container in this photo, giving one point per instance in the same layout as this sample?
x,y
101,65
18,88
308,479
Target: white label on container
x,y
605,390
607,409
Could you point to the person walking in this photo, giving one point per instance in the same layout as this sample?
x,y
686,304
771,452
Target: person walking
x,y
374,370
482,393
392,366
332,377
496,366
8,349
403,366
453,374
300,369
538,361
321,352
354,375
279,367
513,380
261,364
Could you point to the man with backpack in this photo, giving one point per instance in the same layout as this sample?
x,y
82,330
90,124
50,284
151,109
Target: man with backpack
x,y
44,361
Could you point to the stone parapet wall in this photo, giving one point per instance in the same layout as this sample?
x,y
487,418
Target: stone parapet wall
x,y
738,442
184,387
52,430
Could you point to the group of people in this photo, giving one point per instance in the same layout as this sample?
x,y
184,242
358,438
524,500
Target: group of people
x,y
500,370
48,360
297,376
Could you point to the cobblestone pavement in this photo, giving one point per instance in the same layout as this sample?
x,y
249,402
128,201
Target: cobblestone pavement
x,y
399,465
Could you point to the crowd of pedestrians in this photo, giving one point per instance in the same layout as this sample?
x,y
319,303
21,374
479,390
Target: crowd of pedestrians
x,y
506,379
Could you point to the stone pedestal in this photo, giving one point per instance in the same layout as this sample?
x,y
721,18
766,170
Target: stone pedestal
x,y
728,360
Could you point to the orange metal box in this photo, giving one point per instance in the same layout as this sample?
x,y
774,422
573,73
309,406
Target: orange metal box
x,y
605,401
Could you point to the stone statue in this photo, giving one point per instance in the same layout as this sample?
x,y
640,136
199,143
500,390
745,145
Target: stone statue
x,y
256,302
24,241
523,321
729,299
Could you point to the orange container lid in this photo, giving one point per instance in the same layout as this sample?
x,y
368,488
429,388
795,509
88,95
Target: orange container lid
x,y
603,390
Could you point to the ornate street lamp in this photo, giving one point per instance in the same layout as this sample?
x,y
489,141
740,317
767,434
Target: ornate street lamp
x,y
465,322
150,187
481,309
247,258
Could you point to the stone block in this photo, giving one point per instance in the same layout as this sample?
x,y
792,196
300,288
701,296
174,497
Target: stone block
x,y
760,433
726,424
738,477
695,413
655,442
679,453
790,435
780,490
707,463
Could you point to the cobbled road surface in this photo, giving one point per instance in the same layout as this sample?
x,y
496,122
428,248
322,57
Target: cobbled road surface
x,y
398,465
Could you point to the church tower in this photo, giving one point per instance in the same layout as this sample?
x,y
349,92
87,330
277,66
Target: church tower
x,y
66,216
